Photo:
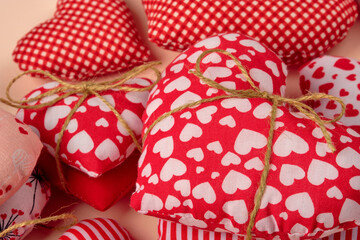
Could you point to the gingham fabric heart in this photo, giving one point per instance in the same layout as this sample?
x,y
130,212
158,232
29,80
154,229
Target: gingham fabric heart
x,y
96,228
339,77
84,39
26,204
295,30
94,141
202,166
175,231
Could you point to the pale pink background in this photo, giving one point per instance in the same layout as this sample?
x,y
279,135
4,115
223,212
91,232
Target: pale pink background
x,y
19,16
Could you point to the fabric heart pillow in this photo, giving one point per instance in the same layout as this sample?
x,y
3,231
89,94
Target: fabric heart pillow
x,y
297,30
36,194
97,228
336,76
169,230
19,151
83,40
201,165
101,192
94,141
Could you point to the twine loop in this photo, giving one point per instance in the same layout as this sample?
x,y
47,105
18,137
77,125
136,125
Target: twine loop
x,y
254,92
83,89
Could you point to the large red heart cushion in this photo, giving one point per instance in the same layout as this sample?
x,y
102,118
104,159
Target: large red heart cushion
x,y
296,30
84,39
339,77
100,193
94,141
202,166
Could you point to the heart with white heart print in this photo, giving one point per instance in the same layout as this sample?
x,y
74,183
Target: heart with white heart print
x,y
337,76
94,141
228,143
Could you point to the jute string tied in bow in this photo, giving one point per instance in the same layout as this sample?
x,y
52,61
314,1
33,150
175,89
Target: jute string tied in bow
x,y
85,89
255,92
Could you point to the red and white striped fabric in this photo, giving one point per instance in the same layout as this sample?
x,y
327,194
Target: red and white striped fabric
x,y
97,228
176,231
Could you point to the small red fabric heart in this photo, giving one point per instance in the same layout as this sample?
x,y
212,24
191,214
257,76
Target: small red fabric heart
x,y
100,193
94,141
3,216
83,40
14,211
289,28
20,213
201,166
97,228
8,188
346,86
319,73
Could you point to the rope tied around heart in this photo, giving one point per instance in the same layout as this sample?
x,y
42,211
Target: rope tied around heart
x,y
85,89
63,216
276,100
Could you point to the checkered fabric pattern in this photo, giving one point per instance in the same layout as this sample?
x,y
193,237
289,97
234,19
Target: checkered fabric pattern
x,y
297,30
84,39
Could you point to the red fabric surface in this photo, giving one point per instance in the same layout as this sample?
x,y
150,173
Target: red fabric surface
x,y
202,166
337,76
101,192
295,30
83,40
97,228
94,141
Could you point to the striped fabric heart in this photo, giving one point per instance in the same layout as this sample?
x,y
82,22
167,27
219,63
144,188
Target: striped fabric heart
x,y
175,231
96,228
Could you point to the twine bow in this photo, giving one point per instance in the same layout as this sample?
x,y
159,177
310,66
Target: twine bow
x,y
255,92
85,89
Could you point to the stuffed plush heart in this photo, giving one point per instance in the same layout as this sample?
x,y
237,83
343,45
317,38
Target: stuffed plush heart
x,y
84,39
94,141
100,193
339,77
19,151
201,166
26,204
295,30
169,230
96,228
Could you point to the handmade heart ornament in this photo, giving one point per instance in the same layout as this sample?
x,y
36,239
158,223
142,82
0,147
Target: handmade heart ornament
x,y
170,230
232,183
339,77
20,148
289,28
101,192
96,228
15,210
92,127
83,40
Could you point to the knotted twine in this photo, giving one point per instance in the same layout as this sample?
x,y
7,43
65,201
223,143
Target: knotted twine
x,y
86,89
276,100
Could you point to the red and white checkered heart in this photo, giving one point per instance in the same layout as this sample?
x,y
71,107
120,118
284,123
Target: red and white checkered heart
x,y
297,30
83,40
94,141
96,228
336,76
201,166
